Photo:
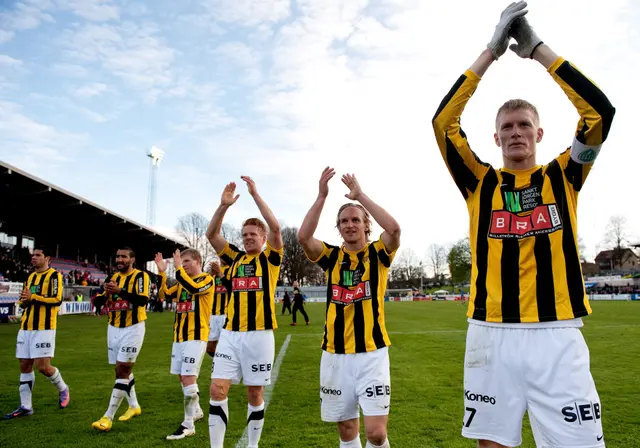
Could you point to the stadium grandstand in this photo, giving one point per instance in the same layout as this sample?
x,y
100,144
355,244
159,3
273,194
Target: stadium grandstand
x,y
84,236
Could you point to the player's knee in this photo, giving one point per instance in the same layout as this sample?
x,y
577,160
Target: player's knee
x,y
218,390
349,429
254,395
376,435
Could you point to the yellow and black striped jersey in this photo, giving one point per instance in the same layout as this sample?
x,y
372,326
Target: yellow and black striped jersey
x,y
356,283
129,307
41,313
194,297
523,223
253,287
220,298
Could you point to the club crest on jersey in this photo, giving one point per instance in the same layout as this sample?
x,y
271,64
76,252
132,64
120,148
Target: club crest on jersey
x,y
247,284
36,289
185,296
346,296
524,215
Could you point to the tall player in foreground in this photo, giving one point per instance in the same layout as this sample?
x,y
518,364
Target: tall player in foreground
x,y
355,357
524,349
193,293
247,347
40,301
124,298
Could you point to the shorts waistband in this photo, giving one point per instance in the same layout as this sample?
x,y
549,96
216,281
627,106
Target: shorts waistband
x,y
569,323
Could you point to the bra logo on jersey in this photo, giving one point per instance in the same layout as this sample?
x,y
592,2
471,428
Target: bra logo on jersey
x,y
246,270
220,288
117,305
345,296
184,307
522,200
247,283
351,278
543,219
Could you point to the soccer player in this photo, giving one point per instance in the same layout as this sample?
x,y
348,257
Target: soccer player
x,y
194,295
124,298
354,369
40,301
286,302
219,309
246,348
298,304
524,349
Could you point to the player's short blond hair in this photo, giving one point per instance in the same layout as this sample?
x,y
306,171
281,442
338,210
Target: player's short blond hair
x,y
193,253
365,217
256,222
517,104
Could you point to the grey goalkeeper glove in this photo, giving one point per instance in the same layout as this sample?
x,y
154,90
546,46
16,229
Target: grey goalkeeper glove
x,y
500,40
527,39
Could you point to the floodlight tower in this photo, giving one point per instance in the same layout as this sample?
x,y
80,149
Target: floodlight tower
x,y
155,155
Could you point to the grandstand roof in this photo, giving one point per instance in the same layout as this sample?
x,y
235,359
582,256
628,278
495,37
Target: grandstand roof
x,y
60,219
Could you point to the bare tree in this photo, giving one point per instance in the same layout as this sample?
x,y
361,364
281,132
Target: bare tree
x,y
192,228
617,239
437,260
232,234
295,265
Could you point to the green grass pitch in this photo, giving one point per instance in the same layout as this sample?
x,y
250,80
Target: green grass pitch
x,y
426,375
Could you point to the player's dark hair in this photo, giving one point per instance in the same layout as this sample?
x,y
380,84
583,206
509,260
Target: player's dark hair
x,y
46,251
132,254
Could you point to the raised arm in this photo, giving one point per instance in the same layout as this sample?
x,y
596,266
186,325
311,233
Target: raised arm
x,y
274,237
164,293
391,235
312,246
213,231
465,167
596,112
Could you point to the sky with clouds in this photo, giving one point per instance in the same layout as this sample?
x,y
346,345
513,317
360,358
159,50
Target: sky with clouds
x,y
279,89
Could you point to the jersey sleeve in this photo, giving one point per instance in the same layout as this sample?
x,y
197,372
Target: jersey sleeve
x,y
385,257
464,165
164,292
230,254
596,116
274,256
192,286
327,257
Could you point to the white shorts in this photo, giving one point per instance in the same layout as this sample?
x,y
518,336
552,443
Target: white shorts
x,y
186,357
246,355
33,344
544,371
216,324
124,344
349,380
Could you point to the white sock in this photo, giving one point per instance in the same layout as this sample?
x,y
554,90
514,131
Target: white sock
x,y
255,422
384,445
56,380
355,443
117,395
218,417
131,396
27,380
190,404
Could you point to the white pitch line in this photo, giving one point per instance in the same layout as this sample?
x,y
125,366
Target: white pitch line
x,y
268,390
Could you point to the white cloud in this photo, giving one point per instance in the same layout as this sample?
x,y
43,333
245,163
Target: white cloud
x,y
248,12
26,16
244,60
91,90
70,70
130,51
95,10
9,62
6,36
29,143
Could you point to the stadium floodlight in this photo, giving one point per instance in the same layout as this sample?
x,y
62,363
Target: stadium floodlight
x,y
156,155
